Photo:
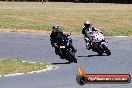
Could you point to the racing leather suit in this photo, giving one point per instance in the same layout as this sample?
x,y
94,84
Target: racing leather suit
x,y
54,38
85,30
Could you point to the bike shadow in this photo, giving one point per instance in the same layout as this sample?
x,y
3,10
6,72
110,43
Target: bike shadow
x,y
60,63
92,55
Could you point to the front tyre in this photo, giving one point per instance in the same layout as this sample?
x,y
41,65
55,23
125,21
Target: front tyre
x,y
72,57
107,51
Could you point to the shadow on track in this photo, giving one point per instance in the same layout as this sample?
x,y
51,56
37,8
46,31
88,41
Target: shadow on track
x,y
92,55
61,63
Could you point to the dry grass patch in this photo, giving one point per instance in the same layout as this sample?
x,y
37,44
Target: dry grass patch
x,y
112,19
10,66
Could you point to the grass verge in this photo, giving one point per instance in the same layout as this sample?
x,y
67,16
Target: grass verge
x,y
9,66
112,19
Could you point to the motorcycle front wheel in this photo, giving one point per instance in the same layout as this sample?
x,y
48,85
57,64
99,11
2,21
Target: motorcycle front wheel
x,y
107,51
72,57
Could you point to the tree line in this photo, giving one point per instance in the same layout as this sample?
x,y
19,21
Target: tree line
x,y
85,1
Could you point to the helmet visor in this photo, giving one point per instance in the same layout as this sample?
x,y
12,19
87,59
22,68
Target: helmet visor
x,y
87,25
55,29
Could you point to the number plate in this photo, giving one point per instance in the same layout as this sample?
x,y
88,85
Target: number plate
x,y
62,46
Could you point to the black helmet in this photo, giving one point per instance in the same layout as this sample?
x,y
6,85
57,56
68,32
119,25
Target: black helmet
x,y
87,24
55,28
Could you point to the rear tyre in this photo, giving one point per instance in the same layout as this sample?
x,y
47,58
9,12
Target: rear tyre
x,y
99,51
62,57
70,61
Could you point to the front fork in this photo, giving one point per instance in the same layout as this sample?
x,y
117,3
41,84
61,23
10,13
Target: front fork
x,y
105,43
98,48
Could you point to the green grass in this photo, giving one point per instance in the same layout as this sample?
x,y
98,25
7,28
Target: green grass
x,y
112,19
10,66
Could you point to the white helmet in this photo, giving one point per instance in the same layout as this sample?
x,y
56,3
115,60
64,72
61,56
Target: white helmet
x,y
87,24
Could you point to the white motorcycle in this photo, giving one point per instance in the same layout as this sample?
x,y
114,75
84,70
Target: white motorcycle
x,y
98,43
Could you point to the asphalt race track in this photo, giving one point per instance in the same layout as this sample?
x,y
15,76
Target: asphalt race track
x,y
37,48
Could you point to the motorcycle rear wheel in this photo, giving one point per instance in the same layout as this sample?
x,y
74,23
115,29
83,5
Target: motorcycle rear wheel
x,y
99,51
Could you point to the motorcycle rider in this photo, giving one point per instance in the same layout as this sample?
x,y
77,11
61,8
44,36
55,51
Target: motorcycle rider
x,y
54,38
88,28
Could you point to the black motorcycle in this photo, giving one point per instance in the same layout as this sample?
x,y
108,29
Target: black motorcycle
x,y
65,51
